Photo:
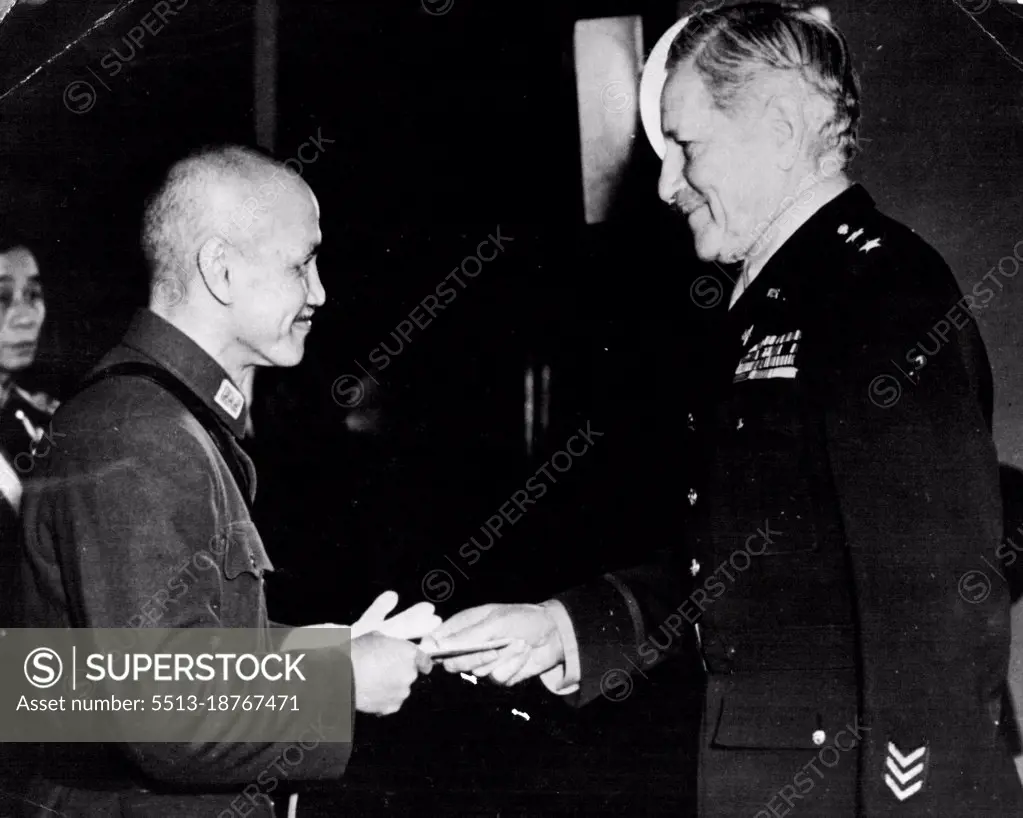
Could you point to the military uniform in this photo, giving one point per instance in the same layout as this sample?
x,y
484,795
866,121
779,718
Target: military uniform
x,y
143,520
25,438
853,666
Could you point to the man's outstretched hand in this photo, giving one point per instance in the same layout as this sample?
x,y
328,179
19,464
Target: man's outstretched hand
x,y
385,670
535,648
412,623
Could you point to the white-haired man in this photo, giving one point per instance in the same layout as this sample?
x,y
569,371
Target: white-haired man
x,y
852,482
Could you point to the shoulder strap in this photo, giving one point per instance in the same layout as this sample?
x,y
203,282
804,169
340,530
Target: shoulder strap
x,y
219,433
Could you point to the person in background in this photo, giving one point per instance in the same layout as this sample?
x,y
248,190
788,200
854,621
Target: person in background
x,y
24,415
25,434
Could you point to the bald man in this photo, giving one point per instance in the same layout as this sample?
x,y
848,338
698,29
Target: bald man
x,y
144,518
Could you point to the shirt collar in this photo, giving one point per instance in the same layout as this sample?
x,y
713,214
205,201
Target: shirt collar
x,y
813,240
152,336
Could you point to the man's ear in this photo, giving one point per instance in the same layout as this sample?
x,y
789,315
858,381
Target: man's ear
x,y
787,124
214,267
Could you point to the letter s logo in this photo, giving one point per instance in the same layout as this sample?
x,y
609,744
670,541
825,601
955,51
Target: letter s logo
x,y
39,668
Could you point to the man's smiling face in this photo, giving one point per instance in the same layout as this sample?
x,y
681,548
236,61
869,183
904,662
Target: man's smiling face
x,y
720,171
280,285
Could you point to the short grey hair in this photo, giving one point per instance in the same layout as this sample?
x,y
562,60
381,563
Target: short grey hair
x,y
731,47
177,213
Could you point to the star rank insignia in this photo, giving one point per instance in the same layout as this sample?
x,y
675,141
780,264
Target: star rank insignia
x,y
905,774
870,245
694,568
746,335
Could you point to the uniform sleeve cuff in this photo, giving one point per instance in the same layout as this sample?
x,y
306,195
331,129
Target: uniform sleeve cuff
x,y
563,679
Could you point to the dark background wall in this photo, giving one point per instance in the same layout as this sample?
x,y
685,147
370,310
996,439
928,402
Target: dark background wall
x,y
442,127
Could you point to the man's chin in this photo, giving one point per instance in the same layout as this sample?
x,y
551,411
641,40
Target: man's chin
x,y
290,356
712,251
707,249
706,241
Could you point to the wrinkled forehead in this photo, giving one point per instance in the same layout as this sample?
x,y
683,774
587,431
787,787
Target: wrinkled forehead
x,y
686,105
18,263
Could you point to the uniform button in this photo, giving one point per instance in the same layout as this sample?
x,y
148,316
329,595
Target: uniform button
x,y
692,497
730,652
694,569
819,737
739,424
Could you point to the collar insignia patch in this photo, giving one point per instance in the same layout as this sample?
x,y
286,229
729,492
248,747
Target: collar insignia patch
x,y
229,399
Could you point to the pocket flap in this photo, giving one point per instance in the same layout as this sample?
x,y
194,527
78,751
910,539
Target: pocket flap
x,y
777,728
243,550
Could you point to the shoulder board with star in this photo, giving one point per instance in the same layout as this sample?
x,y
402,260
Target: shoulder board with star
x,y
38,400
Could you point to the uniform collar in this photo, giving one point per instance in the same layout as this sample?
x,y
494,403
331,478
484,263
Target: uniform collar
x,y
813,243
152,336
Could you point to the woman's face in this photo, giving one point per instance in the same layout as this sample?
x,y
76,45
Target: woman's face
x,y
22,309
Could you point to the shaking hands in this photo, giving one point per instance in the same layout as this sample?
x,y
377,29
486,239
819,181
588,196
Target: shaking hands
x,y
384,661
534,642
386,664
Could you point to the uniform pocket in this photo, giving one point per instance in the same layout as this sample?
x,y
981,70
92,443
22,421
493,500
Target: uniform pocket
x,y
787,711
243,550
762,728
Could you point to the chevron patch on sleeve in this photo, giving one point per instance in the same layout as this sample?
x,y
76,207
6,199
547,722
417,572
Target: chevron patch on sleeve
x,y
905,773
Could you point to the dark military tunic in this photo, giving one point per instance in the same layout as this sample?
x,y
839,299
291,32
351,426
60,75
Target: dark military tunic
x,y
829,574
26,438
139,522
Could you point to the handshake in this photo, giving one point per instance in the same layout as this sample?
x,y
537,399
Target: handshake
x,y
508,643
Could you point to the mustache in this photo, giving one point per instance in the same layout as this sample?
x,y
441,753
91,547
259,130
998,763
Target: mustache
x,y
685,205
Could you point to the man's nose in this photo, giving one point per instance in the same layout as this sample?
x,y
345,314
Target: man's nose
x,y
317,295
671,180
